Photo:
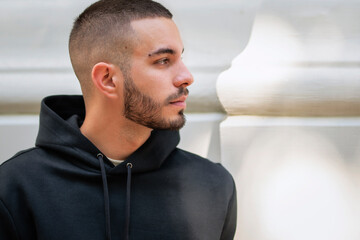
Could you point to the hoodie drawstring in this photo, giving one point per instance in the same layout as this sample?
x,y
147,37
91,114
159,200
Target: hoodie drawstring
x,y
107,201
106,196
127,210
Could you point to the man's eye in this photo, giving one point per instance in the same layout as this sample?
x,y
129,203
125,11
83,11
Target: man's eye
x,y
163,61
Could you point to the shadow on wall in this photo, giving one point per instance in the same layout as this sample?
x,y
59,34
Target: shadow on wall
x,y
201,135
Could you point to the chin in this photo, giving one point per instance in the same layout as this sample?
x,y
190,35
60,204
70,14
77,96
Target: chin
x,y
178,122
171,123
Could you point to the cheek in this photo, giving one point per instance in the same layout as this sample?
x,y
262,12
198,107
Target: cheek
x,y
157,83
158,87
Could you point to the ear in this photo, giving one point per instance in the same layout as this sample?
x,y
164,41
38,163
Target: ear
x,y
103,78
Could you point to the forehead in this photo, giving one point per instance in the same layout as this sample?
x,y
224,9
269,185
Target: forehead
x,y
156,33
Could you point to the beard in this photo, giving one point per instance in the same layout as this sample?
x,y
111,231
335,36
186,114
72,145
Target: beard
x,y
145,111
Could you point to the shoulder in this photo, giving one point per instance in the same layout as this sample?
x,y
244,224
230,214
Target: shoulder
x,y
20,162
197,161
19,158
192,164
23,172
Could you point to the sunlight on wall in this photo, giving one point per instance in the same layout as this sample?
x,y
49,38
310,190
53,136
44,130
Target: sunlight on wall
x,y
258,70
297,187
267,45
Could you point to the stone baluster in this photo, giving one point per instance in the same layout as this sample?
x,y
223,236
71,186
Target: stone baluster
x,y
292,135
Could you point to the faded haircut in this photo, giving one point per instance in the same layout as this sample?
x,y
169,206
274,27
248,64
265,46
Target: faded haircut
x,y
102,33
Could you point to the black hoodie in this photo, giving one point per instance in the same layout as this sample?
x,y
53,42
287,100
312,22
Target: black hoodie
x,y
64,188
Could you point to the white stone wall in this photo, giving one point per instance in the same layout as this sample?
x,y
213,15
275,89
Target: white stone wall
x,y
34,58
34,63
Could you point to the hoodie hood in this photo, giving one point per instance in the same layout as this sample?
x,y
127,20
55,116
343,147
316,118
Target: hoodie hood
x,y
60,121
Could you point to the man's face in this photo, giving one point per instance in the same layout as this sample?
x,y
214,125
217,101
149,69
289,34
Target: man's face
x,y
155,90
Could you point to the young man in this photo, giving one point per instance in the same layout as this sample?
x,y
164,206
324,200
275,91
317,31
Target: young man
x,y
115,172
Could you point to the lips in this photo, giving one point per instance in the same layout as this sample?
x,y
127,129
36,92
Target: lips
x,y
180,102
180,99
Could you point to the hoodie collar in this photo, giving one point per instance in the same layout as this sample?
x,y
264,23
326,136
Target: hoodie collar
x,y
60,120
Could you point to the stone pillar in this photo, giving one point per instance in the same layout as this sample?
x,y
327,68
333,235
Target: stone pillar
x,y
292,135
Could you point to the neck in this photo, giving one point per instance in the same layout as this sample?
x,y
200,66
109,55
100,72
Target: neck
x,y
116,137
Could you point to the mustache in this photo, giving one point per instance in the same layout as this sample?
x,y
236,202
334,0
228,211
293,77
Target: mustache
x,y
181,92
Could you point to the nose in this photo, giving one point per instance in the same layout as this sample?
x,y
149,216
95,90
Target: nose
x,y
183,78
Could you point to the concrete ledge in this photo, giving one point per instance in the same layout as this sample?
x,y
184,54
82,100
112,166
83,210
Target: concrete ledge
x,y
291,91
200,134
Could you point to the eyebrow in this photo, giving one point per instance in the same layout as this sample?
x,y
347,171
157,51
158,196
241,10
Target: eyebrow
x,y
163,51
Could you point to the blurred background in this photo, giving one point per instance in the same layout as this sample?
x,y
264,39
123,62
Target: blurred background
x,y
275,100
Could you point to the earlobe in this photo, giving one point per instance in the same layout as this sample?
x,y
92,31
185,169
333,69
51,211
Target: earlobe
x,y
103,78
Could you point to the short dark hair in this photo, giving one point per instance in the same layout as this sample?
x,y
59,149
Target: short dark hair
x,y
103,33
